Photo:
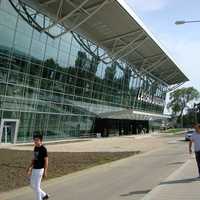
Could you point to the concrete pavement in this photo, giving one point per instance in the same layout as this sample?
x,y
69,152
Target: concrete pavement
x,y
130,179
111,144
180,185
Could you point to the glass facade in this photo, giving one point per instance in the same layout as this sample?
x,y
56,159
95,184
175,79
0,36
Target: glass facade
x,y
56,87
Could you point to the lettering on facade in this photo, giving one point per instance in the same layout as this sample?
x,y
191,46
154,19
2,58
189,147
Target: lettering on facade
x,y
149,99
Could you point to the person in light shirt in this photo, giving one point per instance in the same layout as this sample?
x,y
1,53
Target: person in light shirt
x,y
195,139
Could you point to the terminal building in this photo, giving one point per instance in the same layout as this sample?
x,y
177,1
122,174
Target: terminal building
x,y
72,69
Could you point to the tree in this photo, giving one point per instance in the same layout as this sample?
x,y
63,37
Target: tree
x,y
110,72
81,60
94,65
180,99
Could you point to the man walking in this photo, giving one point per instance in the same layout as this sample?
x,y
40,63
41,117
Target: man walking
x,y
195,138
38,167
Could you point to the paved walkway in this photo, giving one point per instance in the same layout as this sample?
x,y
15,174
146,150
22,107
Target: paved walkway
x,y
180,185
111,144
128,179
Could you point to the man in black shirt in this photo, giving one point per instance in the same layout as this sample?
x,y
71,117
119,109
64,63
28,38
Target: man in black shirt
x,y
38,167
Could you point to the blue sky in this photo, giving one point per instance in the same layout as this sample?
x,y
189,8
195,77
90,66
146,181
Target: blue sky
x,y
182,42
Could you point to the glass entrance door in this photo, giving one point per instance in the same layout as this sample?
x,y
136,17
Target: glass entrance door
x,y
7,134
9,130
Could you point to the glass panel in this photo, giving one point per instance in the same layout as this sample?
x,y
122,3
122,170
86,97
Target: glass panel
x,y
6,38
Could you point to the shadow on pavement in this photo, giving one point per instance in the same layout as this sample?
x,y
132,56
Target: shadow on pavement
x,y
189,180
176,163
135,192
183,140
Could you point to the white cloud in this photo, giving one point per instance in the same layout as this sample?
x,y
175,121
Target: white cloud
x,y
186,52
148,5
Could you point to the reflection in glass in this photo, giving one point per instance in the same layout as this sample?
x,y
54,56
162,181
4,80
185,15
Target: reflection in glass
x,y
56,87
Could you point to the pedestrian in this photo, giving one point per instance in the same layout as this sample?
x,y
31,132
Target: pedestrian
x,y
38,167
195,138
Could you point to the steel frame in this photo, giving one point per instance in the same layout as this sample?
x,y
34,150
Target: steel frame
x,y
85,19
29,15
174,87
173,75
48,2
156,64
86,45
118,37
118,52
61,19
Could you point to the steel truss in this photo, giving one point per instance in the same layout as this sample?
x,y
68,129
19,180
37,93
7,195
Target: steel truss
x,y
121,48
30,16
174,87
91,48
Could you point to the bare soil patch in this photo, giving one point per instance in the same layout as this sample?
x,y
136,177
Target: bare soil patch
x,y
13,164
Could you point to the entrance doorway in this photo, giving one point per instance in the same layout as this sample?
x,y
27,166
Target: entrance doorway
x,y
9,130
120,126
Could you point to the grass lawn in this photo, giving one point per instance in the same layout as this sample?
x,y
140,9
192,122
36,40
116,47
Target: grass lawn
x,y
13,164
174,131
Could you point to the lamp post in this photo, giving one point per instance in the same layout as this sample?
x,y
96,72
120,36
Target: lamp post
x,y
181,22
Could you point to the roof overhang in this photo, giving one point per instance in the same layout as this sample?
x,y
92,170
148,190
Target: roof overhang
x,y
133,115
108,112
114,26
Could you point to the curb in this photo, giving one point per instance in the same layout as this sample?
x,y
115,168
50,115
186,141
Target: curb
x,y
154,192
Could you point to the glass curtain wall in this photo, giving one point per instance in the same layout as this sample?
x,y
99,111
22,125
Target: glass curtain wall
x,y
56,87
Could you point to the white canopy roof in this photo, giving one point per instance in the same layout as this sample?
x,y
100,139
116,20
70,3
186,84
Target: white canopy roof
x,y
114,26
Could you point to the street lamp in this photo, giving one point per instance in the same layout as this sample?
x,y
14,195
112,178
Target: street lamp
x,y
186,22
